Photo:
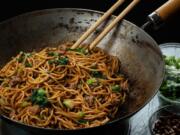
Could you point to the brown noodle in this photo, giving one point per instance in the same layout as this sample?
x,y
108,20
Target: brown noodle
x,y
84,91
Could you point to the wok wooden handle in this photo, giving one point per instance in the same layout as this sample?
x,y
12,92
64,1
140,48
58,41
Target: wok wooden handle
x,y
162,14
169,8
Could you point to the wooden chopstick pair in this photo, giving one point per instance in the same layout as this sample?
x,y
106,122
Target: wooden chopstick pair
x,y
109,27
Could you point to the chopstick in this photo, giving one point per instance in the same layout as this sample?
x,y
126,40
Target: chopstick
x,y
99,21
113,23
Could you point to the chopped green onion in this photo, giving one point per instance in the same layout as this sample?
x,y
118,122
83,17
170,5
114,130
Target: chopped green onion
x,y
63,61
51,61
80,50
23,59
68,103
39,97
81,114
82,121
44,102
28,54
25,104
55,54
27,64
97,74
116,88
41,92
59,61
91,81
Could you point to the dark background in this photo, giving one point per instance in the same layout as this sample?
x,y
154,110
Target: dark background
x,y
170,32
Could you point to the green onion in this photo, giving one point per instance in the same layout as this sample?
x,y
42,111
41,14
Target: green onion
x,y
59,61
82,121
28,54
51,61
41,92
91,81
97,74
39,97
55,54
80,50
68,103
62,61
23,59
81,114
116,88
27,64
25,104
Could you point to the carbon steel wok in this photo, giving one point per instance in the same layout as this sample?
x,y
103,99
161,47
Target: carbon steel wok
x,y
139,54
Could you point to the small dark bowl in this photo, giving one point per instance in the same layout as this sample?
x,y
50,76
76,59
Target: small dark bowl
x,y
164,111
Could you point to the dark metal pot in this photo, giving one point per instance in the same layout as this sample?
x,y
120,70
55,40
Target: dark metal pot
x,y
139,54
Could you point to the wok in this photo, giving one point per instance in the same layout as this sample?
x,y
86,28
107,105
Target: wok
x,y
140,56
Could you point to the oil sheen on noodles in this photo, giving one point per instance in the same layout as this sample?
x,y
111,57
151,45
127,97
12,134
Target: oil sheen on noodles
x,y
62,88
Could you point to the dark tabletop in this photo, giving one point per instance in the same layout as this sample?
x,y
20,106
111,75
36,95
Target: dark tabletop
x,y
168,33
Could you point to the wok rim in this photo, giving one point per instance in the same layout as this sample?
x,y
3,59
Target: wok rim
x,y
125,117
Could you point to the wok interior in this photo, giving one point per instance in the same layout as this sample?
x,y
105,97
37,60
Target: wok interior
x,y
141,58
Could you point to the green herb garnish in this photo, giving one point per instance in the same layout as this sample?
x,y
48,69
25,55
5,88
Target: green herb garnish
x,y
68,103
82,121
27,64
25,104
59,61
91,81
80,50
80,114
23,59
28,54
41,92
39,97
116,88
51,61
97,74
63,61
55,54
